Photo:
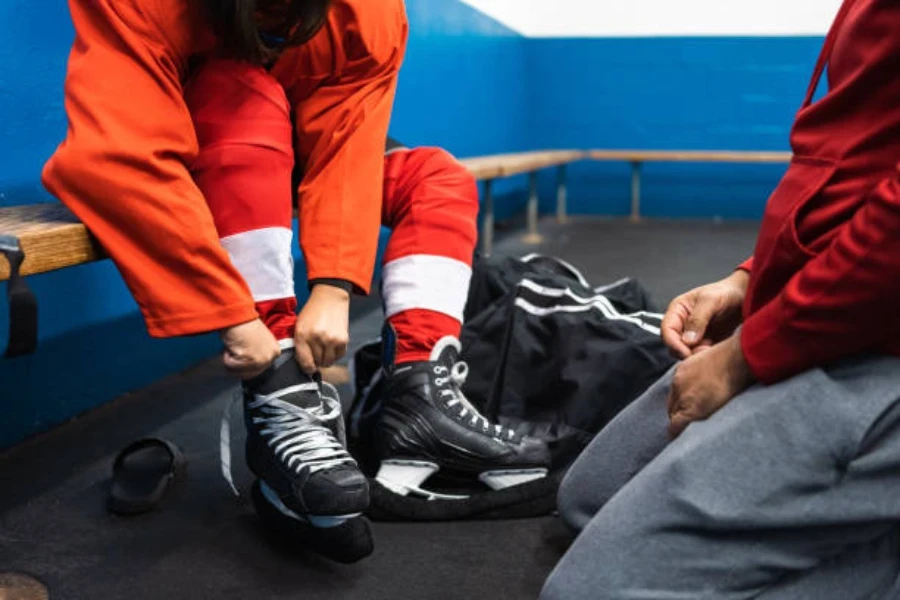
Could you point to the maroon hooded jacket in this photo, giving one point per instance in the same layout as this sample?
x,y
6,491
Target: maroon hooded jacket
x,y
825,275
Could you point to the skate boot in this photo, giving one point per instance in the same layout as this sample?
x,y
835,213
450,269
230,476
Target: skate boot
x,y
428,430
296,445
346,542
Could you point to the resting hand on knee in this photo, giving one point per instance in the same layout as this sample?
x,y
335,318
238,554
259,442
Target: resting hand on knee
x,y
323,328
705,315
705,382
249,349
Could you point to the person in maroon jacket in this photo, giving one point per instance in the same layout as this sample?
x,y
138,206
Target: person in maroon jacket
x,y
767,463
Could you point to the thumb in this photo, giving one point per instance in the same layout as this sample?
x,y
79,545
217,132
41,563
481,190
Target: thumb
x,y
697,322
304,355
677,424
232,362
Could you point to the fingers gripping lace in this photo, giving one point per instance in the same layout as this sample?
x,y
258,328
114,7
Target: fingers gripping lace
x,y
299,437
457,378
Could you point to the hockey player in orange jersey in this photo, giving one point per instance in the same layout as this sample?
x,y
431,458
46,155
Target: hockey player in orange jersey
x,y
194,130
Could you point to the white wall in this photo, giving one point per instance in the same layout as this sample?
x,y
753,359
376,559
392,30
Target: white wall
x,y
629,18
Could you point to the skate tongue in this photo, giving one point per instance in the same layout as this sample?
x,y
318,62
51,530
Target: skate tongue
x,y
446,351
288,381
304,395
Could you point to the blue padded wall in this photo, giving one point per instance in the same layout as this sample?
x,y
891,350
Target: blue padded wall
x,y
669,93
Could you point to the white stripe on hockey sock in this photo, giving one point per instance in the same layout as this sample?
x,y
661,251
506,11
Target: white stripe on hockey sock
x,y
263,258
426,282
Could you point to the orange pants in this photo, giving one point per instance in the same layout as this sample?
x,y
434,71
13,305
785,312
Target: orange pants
x,y
244,168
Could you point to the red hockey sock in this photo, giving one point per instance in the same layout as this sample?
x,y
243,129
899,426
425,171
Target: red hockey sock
x,y
279,316
243,123
431,203
418,330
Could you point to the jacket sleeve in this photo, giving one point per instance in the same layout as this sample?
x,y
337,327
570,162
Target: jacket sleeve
x,y
342,86
123,169
842,303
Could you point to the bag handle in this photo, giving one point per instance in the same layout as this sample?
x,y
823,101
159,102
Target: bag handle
x,y
566,266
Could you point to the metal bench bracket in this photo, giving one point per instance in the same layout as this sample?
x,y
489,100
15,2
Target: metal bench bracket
x,y
23,310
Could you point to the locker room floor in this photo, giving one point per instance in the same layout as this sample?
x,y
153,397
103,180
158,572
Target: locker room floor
x,y
203,543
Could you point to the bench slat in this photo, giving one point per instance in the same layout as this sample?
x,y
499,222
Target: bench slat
x,y
51,237
691,156
507,165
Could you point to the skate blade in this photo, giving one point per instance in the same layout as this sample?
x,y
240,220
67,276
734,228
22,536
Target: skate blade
x,y
502,479
317,521
405,477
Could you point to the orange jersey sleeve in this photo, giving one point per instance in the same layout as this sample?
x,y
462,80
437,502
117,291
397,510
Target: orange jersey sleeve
x,y
123,167
341,86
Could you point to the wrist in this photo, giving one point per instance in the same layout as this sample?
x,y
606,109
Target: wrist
x,y
227,332
740,278
342,284
331,292
741,375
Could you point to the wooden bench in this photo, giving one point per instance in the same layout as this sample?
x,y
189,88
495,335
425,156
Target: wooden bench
x,y
639,157
46,237
49,236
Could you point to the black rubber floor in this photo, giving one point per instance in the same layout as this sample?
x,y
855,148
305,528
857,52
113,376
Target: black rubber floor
x,y
204,543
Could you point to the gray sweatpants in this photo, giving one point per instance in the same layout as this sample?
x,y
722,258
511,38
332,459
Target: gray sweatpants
x,y
789,492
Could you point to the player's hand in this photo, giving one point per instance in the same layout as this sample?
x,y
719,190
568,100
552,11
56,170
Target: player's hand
x,y
706,382
249,349
705,316
323,328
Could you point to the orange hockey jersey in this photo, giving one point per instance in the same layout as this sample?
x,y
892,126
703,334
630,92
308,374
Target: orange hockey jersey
x,y
123,168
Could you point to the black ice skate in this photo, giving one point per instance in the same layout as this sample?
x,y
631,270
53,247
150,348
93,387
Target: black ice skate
x,y
346,541
428,428
296,445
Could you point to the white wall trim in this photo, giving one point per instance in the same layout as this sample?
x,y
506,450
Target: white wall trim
x,y
664,18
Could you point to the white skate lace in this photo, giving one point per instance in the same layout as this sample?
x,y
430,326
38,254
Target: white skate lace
x,y
298,436
456,377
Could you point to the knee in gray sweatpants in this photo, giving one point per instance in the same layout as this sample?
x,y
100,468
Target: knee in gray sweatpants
x,y
780,483
624,447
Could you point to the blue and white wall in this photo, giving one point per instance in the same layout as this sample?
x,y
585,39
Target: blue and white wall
x,y
664,74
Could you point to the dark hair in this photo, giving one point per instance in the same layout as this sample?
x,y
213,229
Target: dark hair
x,y
234,21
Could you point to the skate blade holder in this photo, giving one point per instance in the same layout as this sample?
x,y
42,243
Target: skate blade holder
x,y
319,522
501,479
405,477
